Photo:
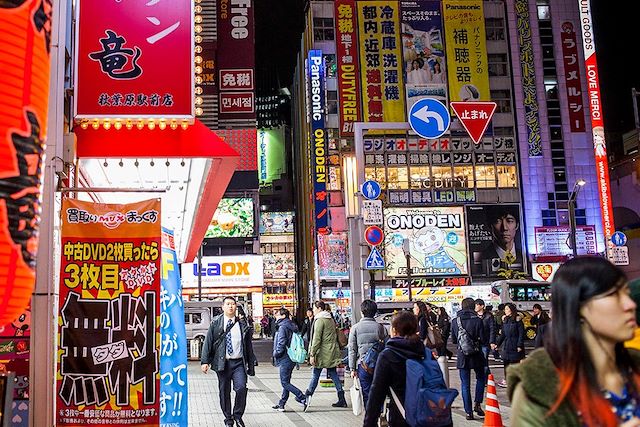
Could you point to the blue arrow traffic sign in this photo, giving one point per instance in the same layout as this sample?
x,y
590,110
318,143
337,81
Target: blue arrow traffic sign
x,y
374,260
619,238
371,190
429,118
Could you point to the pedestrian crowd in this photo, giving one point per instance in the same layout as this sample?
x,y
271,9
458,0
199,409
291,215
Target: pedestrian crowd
x,y
580,373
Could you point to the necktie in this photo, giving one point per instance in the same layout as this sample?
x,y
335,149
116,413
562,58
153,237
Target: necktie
x,y
228,338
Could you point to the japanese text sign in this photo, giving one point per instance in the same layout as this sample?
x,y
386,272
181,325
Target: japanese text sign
x,y
134,59
475,117
108,344
572,77
348,65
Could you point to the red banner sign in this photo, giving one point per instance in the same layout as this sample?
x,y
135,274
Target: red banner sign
x,y
348,65
572,77
108,358
134,59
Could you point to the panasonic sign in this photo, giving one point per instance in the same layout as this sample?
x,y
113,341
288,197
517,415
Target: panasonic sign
x,y
224,271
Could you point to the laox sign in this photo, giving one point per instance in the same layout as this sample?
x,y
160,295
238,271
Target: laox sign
x,y
222,269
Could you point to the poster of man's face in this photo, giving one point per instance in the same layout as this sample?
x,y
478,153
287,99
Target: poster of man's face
x,y
494,232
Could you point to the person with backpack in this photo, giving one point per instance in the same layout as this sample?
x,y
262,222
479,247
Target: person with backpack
x,y
512,339
407,372
467,331
324,352
281,344
363,337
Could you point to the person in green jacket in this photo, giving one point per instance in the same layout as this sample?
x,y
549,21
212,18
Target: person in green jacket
x,y
324,353
584,376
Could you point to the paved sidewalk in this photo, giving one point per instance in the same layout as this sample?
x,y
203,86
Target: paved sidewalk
x,y
264,392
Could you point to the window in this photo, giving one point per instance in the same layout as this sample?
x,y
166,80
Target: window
x,y
397,178
418,174
376,174
332,103
323,29
330,65
494,28
485,176
503,131
544,12
443,173
463,176
551,90
498,64
507,177
502,98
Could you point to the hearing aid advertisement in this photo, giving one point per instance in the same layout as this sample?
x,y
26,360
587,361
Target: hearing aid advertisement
x,y
432,240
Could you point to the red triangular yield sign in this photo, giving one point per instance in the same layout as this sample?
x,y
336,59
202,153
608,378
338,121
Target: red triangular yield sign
x,y
474,116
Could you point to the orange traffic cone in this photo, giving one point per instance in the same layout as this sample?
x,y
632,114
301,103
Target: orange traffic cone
x,y
492,416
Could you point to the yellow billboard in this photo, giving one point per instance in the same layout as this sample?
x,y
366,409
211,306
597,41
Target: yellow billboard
x,y
466,50
381,61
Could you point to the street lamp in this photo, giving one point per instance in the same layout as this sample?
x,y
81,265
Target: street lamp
x,y
572,214
406,248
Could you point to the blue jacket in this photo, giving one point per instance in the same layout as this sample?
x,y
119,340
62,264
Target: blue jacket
x,y
513,338
282,340
475,328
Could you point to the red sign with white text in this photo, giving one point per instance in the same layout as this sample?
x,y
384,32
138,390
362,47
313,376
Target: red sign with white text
x,y
237,102
572,77
475,117
134,59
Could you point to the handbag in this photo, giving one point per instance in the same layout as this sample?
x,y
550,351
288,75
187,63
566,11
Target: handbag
x,y
434,337
357,401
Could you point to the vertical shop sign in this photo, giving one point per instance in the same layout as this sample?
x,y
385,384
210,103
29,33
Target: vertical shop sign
x,y
108,357
123,68
573,80
173,353
236,59
318,143
348,65
25,57
597,122
381,61
468,75
528,68
423,51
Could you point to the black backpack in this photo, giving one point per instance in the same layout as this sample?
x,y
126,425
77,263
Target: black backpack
x,y
467,345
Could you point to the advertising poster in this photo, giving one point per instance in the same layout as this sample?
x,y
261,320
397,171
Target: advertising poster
x,y
279,266
173,353
122,68
467,75
423,51
14,357
494,230
348,65
108,328
381,61
436,238
234,217
271,155
276,222
333,258
555,240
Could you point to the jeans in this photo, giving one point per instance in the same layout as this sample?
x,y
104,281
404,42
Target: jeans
x,y
365,382
465,379
333,374
286,367
485,352
233,371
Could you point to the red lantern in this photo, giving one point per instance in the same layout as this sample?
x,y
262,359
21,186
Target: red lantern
x,y
25,26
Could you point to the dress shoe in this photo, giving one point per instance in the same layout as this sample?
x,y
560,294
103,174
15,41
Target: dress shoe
x,y
470,417
478,409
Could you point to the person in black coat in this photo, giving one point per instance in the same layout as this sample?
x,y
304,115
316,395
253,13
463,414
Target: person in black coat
x,y
307,325
391,370
444,323
512,339
469,320
489,324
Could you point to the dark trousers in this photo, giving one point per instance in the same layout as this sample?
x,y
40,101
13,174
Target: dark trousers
x,y
465,379
485,351
233,371
365,382
286,367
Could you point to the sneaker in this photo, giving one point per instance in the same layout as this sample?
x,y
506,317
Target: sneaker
x,y
303,403
308,401
502,384
278,408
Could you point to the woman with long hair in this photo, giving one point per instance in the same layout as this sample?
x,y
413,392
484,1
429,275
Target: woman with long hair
x,y
512,339
422,314
584,376
444,323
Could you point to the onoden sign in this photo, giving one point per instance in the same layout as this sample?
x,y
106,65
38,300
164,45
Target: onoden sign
x,y
437,241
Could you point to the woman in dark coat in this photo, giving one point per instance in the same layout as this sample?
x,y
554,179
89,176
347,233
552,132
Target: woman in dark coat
x,y
511,339
444,323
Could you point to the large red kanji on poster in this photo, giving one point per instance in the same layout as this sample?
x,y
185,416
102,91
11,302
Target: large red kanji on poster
x,y
108,347
134,59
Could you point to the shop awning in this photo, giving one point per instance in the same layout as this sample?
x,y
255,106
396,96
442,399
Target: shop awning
x,y
195,166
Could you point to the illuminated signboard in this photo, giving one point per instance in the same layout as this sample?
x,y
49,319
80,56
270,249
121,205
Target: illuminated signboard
x,y
234,217
224,271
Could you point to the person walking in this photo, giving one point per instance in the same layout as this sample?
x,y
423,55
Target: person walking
x,y
264,326
307,324
511,340
469,321
539,317
228,350
488,323
281,342
391,370
444,323
584,376
362,337
324,353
